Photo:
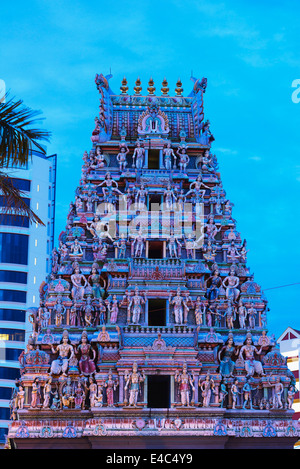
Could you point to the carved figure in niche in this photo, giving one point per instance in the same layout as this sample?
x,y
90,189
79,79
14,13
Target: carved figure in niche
x,y
59,310
114,310
251,315
179,302
135,305
222,394
207,387
47,391
242,313
129,198
121,157
35,393
173,244
199,311
183,158
78,289
247,390
206,137
169,198
133,380
247,353
138,156
92,388
230,283
63,252
209,251
101,312
20,398
141,198
76,249
290,396
168,153
211,229
121,246
65,353
100,160
99,229
244,251
110,386
196,191
277,392
86,362
79,396
100,249
74,311
230,314
190,246
225,356
184,380
89,311
95,280
233,254
214,282
67,394
138,244
234,393
208,162
109,190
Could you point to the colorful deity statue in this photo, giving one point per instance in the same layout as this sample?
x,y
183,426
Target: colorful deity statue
x,y
133,382
185,382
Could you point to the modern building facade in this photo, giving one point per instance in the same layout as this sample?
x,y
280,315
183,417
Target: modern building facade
x,y
25,260
153,331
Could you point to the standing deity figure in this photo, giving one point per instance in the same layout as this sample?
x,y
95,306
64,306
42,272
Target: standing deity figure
x,y
135,305
247,352
169,198
78,289
59,310
290,396
141,198
85,350
113,309
225,356
247,390
206,136
138,156
185,381
277,393
242,313
121,157
230,314
20,398
138,244
35,393
79,395
67,393
231,283
179,302
110,386
92,388
199,311
211,229
251,315
235,392
207,387
168,153
132,384
65,353
190,247
47,391
95,281
222,395
121,246
212,285
173,245
89,312
183,158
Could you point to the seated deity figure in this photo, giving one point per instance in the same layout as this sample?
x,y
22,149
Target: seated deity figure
x,y
168,153
99,229
121,157
185,381
132,384
76,249
231,283
65,353
247,353
138,156
233,254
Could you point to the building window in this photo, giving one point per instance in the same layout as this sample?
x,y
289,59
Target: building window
x,y
16,335
13,248
18,315
21,184
6,393
12,354
3,201
9,373
14,220
14,296
10,276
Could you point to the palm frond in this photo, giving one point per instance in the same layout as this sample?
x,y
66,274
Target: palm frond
x,y
18,135
13,203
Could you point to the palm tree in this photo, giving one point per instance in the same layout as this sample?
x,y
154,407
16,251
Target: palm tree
x,y
17,139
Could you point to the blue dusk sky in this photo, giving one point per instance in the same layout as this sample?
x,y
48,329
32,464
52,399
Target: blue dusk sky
x,y
248,51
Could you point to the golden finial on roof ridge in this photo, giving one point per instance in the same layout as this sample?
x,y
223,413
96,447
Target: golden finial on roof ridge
x,y
124,87
138,88
165,88
178,89
151,89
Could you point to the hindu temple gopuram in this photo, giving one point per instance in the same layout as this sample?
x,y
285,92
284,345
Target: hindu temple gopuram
x,y
151,330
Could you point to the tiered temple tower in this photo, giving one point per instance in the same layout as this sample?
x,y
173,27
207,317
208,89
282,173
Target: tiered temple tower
x,y
151,329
